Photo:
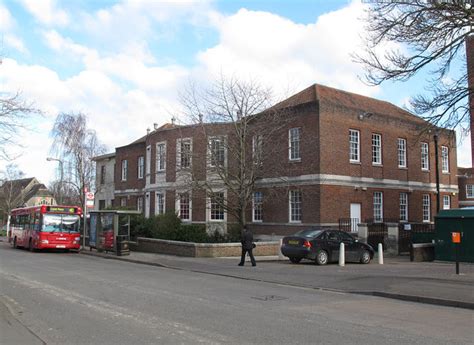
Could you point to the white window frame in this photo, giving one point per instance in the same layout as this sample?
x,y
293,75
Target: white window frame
x,y
257,149
257,207
123,202
161,156
444,159
295,203
425,156
404,207
212,152
124,170
402,153
180,157
140,204
426,208
446,202
216,207
354,146
141,167
376,149
179,204
470,191
160,208
378,207
294,144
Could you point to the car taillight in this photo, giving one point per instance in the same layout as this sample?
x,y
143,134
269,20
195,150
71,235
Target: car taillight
x,y
307,244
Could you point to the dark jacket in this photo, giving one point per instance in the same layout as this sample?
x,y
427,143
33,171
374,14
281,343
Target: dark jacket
x,y
247,239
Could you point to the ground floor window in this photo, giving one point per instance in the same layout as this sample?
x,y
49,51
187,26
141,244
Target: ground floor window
x,y
426,208
217,206
184,206
378,207
404,207
160,203
257,214
446,202
295,206
140,204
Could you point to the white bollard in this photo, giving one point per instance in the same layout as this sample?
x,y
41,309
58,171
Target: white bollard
x,y
280,254
380,254
342,257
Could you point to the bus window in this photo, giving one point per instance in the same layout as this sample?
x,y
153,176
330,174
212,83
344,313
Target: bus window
x,y
60,223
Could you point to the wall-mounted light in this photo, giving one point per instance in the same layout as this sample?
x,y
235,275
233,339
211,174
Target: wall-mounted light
x,y
364,115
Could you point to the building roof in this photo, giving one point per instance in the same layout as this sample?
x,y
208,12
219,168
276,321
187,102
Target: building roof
x,y
349,100
106,156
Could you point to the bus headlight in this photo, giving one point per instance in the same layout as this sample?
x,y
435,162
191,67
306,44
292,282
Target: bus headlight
x,y
77,239
45,241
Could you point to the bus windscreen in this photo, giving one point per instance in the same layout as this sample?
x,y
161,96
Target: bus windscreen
x,y
61,223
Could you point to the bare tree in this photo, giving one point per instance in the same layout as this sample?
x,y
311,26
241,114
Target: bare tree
x,y
10,196
76,145
238,126
429,36
14,111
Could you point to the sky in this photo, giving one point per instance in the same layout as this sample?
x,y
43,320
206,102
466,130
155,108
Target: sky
x,y
123,63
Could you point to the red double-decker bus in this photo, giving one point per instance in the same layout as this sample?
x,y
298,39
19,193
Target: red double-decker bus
x,y
45,227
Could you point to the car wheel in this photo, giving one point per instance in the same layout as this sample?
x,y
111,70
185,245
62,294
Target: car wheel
x,y
322,257
295,260
365,257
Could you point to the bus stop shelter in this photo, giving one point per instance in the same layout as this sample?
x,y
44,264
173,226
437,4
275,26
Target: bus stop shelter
x,y
109,230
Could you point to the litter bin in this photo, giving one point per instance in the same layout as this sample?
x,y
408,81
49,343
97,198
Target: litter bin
x,y
122,246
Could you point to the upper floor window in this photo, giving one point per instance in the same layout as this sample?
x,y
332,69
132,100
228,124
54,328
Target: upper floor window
x,y
217,151
124,170
376,149
426,208
160,203
446,202
444,159
257,149
257,207
425,161
470,191
402,153
217,206
141,166
404,207
295,206
378,207
184,153
294,143
354,146
102,174
184,206
160,156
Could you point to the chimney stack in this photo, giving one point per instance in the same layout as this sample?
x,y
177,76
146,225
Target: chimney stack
x,y
470,82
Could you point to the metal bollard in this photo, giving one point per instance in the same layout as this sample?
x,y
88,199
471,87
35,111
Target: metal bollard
x,y
380,254
280,254
342,257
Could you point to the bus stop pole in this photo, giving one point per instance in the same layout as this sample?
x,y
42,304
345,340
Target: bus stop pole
x,y
85,223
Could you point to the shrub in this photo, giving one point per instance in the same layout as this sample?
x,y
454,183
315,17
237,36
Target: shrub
x,y
192,233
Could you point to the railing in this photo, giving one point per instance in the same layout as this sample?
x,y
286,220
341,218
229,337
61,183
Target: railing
x,y
348,224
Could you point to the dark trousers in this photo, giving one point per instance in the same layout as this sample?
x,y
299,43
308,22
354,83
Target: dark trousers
x,y
242,258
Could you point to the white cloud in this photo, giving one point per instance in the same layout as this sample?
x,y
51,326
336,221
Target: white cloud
x,y
16,43
6,20
45,12
287,54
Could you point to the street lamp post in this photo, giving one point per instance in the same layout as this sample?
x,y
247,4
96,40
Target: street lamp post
x,y
49,159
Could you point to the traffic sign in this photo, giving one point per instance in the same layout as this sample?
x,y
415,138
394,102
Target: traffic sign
x,y
89,196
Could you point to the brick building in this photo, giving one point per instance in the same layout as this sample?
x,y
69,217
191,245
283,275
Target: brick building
x,y
466,187
105,181
336,155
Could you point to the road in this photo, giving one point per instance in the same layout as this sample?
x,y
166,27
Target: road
x,y
62,298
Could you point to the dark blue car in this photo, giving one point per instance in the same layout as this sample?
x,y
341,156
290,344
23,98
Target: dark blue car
x,y
322,246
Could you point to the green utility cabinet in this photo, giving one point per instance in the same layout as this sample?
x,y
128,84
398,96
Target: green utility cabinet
x,y
456,220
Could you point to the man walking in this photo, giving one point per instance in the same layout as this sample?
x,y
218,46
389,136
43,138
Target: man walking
x,y
247,246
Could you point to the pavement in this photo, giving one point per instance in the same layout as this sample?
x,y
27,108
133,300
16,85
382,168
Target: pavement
x,y
425,282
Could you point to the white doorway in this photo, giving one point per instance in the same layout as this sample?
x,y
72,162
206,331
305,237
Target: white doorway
x,y
355,216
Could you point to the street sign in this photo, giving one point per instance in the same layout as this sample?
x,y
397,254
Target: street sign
x,y
90,196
